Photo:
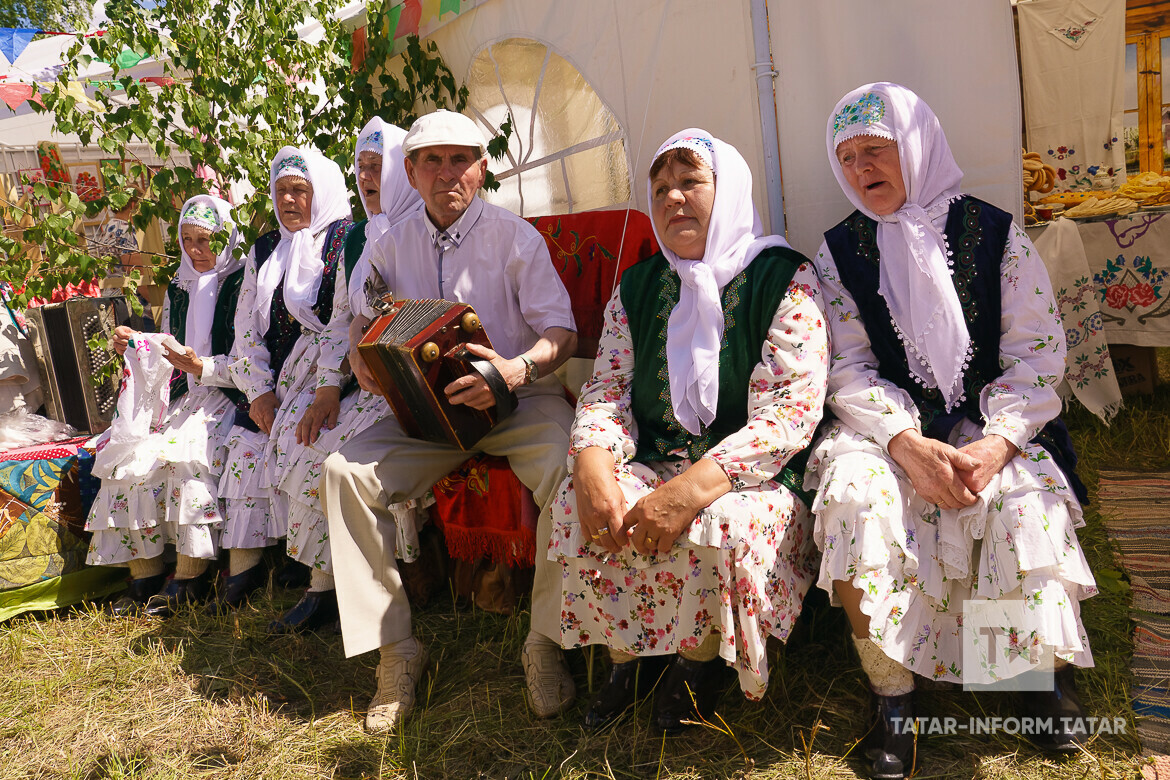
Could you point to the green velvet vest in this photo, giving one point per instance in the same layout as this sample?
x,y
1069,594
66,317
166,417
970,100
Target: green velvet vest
x,y
649,292
223,329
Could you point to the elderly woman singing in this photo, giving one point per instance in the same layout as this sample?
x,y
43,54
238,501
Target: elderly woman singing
x,y
679,530
946,475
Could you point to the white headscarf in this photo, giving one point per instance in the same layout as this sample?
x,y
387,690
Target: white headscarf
x,y
214,214
296,258
398,198
694,331
914,272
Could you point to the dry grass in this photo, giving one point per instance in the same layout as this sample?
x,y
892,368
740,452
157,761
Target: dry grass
x,y
88,697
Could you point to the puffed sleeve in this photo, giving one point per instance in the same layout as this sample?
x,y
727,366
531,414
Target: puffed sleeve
x,y
858,395
787,388
333,341
1031,347
368,282
250,368
604,418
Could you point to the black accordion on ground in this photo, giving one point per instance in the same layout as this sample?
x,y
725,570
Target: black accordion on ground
x,y
60,333
414,350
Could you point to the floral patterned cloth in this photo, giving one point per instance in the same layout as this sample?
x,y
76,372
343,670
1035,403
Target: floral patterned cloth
x,y
916,564
177,502
745,563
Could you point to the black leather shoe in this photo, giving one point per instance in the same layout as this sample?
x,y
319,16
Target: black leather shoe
x,y
1059,719
617,694
673,704
294,575
139,591
315,610
235,589
178,593
890,746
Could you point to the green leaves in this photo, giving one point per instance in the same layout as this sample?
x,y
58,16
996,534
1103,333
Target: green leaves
x,y
241,91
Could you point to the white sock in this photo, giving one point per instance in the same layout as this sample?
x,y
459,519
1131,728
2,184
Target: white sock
x,y
243,558
141,568
620,657
707,651
887,677
320,581
188,568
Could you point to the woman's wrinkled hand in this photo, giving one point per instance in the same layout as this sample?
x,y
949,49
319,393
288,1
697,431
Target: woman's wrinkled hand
x,y
935,468
262,411
122,336
657,520
600,502
186,360
993,453
322,413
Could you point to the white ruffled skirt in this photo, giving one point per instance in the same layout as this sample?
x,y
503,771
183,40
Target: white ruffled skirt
x,y
916,565
178,502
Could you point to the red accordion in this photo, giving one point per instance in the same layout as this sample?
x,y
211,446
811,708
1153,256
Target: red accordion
x,y
414,350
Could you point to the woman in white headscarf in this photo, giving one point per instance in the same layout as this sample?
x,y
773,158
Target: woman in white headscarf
x,y
388,198
282,349
179,498
679,530
946,475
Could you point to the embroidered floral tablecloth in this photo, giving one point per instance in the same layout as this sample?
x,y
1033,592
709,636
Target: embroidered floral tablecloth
x,y
1129,260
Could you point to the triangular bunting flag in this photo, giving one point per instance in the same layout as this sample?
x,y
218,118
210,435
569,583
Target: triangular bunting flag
x,y
15,94
13,40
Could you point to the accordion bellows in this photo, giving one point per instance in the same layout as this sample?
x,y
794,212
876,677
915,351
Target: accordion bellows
x,y
61,334
414,350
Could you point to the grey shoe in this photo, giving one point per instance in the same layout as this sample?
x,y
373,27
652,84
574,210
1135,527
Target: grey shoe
x,y
398,673
550,686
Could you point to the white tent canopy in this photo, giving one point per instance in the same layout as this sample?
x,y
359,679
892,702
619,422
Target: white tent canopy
x,y
662,65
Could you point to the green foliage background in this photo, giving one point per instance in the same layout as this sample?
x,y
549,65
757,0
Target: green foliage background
x,y
240,93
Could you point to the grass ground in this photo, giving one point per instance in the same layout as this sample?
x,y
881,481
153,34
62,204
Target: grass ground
x,y
86,697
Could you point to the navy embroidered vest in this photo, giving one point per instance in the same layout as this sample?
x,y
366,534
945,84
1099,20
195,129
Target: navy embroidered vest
x,y
649,291
223,331
977,235
283,329
355,242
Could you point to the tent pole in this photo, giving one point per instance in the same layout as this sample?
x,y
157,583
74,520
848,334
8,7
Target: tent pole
x,y
768,127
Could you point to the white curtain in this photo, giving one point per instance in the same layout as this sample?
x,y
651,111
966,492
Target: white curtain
x,y
1072,55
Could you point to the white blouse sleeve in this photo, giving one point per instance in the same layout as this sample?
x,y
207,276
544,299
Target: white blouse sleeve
x,y
858,395
604,417
334,339
250,368
1031,347
787,389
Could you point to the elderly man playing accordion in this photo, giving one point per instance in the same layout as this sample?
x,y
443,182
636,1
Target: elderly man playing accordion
x,y
459,249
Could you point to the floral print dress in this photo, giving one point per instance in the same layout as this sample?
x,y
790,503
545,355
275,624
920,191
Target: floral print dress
x,y
317,360
916,564
744,565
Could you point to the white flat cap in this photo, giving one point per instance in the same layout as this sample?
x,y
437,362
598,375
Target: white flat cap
x,y
443,128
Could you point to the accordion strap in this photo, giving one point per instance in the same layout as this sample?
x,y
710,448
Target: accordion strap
x,y
505,398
